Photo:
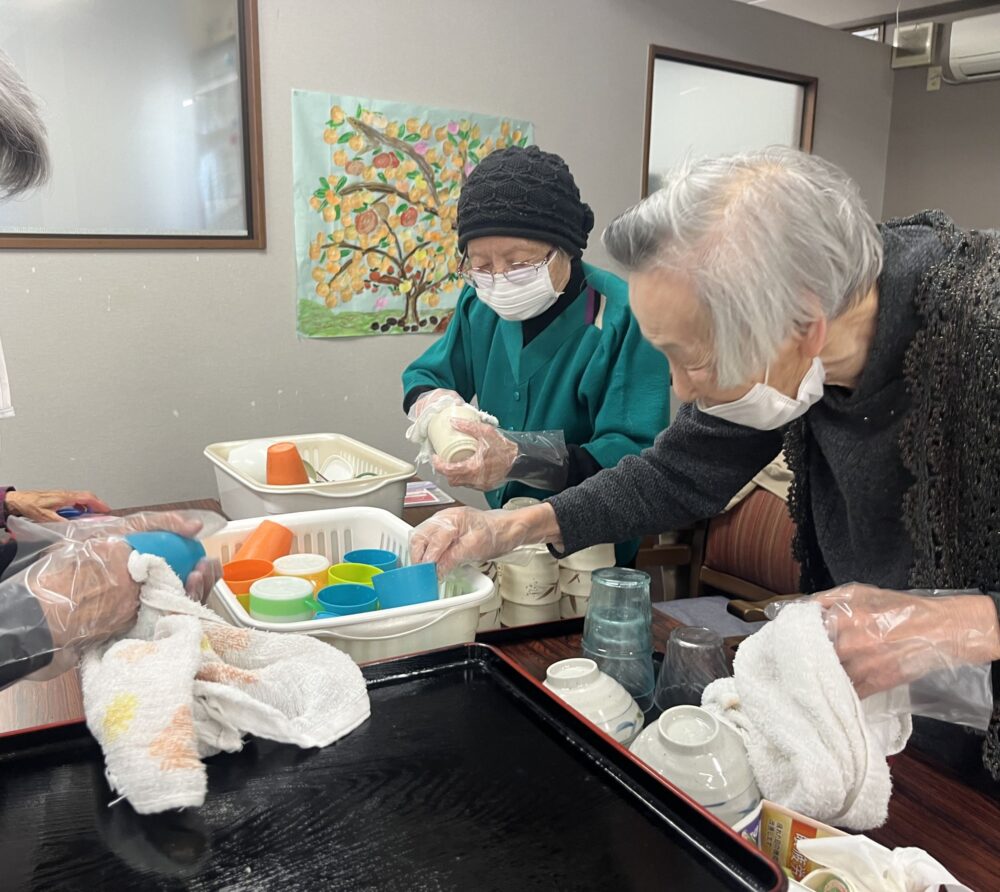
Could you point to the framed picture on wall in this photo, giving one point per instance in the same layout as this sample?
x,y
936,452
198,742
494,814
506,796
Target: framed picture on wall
x,y
153,118
702,106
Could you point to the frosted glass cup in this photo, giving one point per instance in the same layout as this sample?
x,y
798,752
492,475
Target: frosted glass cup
x,y
695,657
618,630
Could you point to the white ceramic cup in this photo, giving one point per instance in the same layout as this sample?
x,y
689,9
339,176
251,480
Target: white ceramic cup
x,y
597,557
488,621
514,614
704,757
489,570
596,695
574,582
536,582
449,444
572,606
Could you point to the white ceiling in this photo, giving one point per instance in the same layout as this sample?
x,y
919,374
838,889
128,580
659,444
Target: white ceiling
x,y
823,12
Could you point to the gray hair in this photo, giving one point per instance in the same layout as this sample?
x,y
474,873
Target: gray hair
x,y
24,156
771,240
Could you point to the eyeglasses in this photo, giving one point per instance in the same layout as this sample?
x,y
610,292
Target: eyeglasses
x,y
515,274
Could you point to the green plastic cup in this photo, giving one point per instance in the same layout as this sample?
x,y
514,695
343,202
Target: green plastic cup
x,y
358,574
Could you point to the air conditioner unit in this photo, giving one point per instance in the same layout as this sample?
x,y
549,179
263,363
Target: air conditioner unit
x,y
972,49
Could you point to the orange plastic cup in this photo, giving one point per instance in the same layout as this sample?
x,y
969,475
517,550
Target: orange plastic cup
x,y
284,466
240,575
268,542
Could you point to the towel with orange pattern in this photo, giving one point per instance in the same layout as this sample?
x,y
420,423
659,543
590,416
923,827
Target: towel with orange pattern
x,y
182,685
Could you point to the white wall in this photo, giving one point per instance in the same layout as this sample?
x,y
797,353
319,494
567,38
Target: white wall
x,y
943,150
126,364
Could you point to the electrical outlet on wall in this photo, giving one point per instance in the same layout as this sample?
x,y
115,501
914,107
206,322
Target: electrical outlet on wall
x,y
933,78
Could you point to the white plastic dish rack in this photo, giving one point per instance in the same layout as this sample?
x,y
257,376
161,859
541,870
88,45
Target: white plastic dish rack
x,y
365,636
384,485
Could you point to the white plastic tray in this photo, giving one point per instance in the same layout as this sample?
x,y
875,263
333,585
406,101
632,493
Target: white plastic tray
x,y
243,497
367,636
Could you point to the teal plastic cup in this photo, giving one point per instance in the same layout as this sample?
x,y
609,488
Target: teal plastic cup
x,y
373,557
407,586
182,555
347,598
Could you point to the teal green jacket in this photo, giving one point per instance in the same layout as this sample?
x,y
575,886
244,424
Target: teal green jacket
x,y
589,374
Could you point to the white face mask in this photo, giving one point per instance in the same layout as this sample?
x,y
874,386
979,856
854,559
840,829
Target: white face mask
x,y
517,302
765,408
6,407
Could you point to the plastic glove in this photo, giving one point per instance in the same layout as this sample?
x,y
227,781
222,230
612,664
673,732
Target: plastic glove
x,y
83,586
42,506
887,638
448,398
489,467
466,535
535,458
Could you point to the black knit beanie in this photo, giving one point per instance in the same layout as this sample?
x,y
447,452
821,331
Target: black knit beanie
x,y
525,193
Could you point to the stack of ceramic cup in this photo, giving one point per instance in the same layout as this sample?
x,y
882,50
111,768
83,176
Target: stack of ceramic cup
x,y
529,592
574,578
529,585
489,612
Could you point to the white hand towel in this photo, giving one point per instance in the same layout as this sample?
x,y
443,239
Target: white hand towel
x,y
870,867
182,685
813,745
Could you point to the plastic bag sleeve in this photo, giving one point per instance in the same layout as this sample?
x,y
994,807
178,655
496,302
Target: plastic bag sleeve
x,y
25,640
413,394
582,465
542,459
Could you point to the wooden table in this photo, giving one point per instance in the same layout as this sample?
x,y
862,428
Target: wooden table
x,y
930,808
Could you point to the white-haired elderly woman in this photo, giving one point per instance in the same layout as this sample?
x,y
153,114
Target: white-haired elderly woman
x,y
871,353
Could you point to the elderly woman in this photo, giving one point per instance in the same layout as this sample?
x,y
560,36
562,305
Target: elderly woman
x,y
72,588
543,342
870,352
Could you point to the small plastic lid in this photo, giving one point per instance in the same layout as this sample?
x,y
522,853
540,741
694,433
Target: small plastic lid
x,y
71,513
281,588
301,564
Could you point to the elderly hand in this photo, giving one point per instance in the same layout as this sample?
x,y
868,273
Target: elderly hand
x,y
431,397
85,589
886,638
41,507
468,536
488,468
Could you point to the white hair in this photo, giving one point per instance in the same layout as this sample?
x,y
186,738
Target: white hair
x,y
24,156
771,240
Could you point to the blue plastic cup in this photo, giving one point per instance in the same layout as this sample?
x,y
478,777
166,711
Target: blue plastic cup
x,y
347,598
181,554
373,557
406,586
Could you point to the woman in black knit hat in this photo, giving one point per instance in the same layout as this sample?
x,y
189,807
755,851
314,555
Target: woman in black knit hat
x,y
541,340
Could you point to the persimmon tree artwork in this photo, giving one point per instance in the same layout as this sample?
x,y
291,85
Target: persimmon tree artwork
x,y
376,194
